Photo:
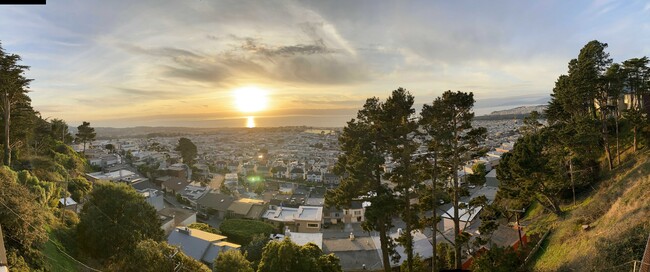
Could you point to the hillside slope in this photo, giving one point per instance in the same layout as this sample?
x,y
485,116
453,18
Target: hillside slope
x,y
618,215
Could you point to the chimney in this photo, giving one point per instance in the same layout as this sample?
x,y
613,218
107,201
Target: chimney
x,y
287,232
351,236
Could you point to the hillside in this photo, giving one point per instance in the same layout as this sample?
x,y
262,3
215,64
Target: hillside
x,y
618,215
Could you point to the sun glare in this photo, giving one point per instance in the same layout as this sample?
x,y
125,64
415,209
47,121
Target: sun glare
x,y
250,122
250,99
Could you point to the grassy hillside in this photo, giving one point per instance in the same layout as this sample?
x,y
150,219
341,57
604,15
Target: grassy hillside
x,y
618,214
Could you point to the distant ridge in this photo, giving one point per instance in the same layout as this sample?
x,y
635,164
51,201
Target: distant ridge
x,y
520,110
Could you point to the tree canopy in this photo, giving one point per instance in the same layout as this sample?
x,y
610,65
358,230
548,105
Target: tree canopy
x,y
232,261
187,149
285,255
85,133
114,219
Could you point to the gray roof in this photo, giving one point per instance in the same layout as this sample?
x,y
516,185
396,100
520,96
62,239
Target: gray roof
x,y
191,246
216,201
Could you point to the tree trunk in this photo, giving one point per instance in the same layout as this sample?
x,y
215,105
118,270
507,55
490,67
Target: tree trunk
x,y
383,235
604,132
408,243
618,152
635,130
457,245
7,117
434,228
383,240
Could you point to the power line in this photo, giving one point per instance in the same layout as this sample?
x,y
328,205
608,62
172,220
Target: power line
x,y
48,238
45,255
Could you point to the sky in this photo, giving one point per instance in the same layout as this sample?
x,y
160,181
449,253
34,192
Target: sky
x,y
177,63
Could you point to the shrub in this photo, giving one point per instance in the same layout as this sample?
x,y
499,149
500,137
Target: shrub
x,y
242,231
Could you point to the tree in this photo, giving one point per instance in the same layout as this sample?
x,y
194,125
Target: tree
x,y
637,80
497,259
114,219
151,256
79,187
448,123
85,134
361,166
187,149
287,256
255,248
531,123
242,231
398,130
60,131
204,227
232,261
13,91
530,172
22,219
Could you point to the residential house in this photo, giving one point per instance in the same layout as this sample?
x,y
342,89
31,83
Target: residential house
x,y
355,253
355,213
214,203
174,217
69,204
153,197
296,173
200,245
180,170
246,208
313,176
193,192
279,172
174,185
302,219
119,175
231,180
491,179
332,215
331,179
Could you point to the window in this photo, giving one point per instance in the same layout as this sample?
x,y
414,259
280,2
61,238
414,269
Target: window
x,y
310,225
336,215
357,212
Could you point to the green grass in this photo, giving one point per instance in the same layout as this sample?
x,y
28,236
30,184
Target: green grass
x,y
55,259
618,204
242,231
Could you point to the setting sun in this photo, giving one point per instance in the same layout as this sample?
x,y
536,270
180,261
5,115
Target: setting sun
x,y
250,99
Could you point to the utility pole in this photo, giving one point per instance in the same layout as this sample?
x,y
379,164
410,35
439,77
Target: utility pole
x,y
521,243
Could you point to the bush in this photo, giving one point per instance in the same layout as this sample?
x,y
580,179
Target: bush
x,y
242,231
627,246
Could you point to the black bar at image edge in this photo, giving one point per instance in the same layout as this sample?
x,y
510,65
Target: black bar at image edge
x,y
22,2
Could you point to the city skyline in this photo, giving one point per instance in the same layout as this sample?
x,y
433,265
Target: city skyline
x,y
166,63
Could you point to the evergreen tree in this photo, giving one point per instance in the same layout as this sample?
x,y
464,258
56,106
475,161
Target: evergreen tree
x,y
398,128
85,134
448,123
187,149
361,166
13,91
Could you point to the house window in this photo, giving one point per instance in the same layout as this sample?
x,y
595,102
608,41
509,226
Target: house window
x,y
310,225
336,215
357,212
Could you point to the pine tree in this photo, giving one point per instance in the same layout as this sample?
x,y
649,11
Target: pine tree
x,y
448,122
13,91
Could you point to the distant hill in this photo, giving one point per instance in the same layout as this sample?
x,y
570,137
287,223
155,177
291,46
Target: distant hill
x,y
514,113
520,110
